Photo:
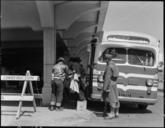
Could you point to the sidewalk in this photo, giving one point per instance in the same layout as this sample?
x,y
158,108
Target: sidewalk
x,y
43,117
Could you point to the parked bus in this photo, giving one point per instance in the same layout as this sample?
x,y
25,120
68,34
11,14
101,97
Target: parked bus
x,y
137,59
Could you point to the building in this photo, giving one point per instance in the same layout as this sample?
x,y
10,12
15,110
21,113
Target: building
x,y
35,33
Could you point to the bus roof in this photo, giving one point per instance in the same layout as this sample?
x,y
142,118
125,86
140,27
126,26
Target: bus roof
x,y
129,37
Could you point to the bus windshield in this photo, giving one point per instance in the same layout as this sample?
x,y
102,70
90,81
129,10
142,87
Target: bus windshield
x,y
120,56
140,57
135,56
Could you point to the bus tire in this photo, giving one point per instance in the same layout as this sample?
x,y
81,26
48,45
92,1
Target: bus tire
x,y
142,106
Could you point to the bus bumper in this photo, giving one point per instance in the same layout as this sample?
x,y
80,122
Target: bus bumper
x,y
122,99
138,100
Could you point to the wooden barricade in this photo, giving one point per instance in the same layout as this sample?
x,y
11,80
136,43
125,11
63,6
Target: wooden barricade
x,y
22,97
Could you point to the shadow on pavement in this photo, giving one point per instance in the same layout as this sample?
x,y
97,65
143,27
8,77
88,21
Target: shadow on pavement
x,y
70,104
8,113
15,104
24,103
15,115
70,101
98,107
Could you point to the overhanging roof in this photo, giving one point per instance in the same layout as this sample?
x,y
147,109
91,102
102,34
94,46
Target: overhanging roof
x,y
76,21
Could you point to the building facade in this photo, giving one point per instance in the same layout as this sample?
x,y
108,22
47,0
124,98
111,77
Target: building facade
x,y
35,33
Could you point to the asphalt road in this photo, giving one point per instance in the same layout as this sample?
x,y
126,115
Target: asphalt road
x,y
130,116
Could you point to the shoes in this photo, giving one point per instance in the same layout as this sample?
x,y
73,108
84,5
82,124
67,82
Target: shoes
x,y
51,107
59,108
110,116
105,115
117,114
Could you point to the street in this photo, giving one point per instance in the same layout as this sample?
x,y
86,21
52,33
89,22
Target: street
x,y
130,116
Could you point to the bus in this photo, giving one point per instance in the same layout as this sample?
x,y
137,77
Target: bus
x,y
137,59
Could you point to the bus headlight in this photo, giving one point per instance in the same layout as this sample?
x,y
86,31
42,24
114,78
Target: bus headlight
x,y
100,82
149,91
149,82
100,79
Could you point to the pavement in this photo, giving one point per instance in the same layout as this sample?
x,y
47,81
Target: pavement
x,y
43,117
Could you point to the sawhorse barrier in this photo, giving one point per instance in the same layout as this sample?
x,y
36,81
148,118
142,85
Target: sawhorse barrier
x,y
22,97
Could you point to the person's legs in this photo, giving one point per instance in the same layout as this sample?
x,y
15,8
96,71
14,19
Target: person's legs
x,y
59,93
112,113
116,112
105,96
105,109
81,95
53,97
114,101
81,90
117,109
112,104
117,103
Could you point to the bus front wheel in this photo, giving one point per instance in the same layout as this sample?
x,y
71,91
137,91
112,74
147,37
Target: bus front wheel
x,y
142,106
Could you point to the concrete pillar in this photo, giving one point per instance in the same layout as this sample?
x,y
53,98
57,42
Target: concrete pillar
x,y
49,52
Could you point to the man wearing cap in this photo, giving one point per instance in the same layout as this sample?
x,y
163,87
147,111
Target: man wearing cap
x,y
110,92
59,72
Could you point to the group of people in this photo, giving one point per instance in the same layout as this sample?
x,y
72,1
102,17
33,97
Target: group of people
x,y
61,72
63,78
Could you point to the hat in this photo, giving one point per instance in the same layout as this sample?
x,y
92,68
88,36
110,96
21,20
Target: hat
x,y
60,59
110,54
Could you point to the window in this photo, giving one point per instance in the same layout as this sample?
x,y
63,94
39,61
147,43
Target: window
x,y
140,57
119,58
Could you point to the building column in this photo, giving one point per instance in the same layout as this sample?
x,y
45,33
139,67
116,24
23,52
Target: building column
x,y
49,51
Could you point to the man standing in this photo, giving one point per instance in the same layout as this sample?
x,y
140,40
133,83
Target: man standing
x,y
110,92
58,75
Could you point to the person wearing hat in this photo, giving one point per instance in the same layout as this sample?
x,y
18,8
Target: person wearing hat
x,y
59,72
110,92
78,69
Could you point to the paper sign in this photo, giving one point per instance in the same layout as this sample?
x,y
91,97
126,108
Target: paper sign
x,y
19,77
